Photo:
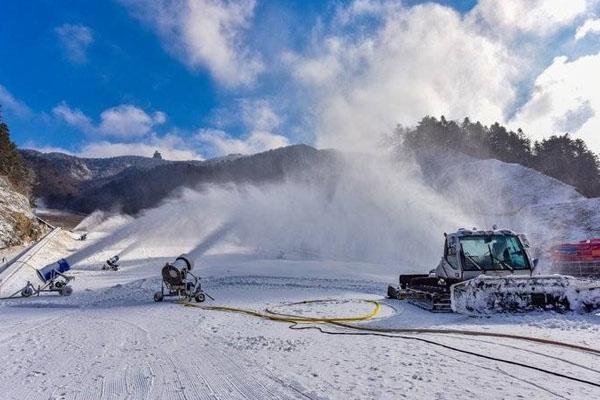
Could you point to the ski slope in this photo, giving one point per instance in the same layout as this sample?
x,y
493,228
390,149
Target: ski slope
x,y
109,340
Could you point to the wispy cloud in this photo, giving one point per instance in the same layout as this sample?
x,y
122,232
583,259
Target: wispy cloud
x,y
217,142
566,98
378,63
535,17
122,121
12,104
260,121
75,41
416,61
124,130
204,33
590,26
171,147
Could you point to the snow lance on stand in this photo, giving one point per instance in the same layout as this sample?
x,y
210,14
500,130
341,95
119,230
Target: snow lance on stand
x,y
490,271
178,280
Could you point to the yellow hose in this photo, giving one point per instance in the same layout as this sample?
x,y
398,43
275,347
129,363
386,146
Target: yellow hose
x,y
344,322
275,316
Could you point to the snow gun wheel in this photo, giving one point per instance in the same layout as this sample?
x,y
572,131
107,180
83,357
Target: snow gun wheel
x,y
26,291
200,297
158,296
65,291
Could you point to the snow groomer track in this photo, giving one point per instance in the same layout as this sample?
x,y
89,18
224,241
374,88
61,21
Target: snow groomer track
x,y
109,340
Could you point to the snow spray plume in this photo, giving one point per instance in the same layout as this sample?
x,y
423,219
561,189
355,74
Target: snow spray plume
x,y
175,226
373,211
100,221
510,196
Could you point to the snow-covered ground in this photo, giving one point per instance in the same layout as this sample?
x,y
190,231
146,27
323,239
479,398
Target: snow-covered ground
x,y
109,340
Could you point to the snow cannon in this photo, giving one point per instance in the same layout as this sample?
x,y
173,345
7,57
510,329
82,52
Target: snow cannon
x,y
111,264
487,271
53,278
178,281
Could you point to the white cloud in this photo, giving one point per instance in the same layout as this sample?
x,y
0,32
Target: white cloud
x,y
75,41
129,124
123,121
205,33
360,8
590,26
74,117
127,121
427,59
566,98
259,115
259,119
536,17
321,68
12,104
171,147
220,143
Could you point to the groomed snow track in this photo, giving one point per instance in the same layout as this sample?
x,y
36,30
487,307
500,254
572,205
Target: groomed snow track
x,y
109,340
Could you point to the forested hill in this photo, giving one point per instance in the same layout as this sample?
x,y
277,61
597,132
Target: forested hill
x,y
562,157
61,178
133,184
17,223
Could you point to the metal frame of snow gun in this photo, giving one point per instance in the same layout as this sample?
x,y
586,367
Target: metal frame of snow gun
x,y
54,280
176,280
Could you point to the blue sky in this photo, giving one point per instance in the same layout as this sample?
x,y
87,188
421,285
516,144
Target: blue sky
x,y
105,78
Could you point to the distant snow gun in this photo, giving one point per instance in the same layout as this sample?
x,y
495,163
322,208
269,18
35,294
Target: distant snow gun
x,y
482,272
178,281
111,264
53,278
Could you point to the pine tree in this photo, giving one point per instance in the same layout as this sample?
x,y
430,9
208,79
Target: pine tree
x,y
11,163
568,160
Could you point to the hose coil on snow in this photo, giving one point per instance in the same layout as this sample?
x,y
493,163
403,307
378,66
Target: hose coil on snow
x,y
345,322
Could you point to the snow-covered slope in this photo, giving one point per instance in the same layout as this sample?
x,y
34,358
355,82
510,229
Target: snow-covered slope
x,y
109,340
510,195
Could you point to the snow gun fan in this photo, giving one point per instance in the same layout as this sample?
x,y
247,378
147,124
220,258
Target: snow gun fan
x,y
53,278
178,281
492,271
111,264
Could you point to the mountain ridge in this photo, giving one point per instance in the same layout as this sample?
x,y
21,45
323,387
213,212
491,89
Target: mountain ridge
x,y
133,183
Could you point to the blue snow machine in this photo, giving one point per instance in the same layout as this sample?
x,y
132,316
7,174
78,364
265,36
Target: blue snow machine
x,y
53,278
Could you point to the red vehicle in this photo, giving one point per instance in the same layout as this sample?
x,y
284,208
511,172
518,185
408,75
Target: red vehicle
x,y
577,259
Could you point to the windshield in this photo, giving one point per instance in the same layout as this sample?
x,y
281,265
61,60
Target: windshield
x,y
493,252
